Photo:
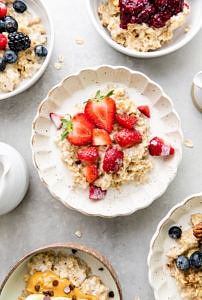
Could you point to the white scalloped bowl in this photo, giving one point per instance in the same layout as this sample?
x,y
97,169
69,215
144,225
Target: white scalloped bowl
x,y
179,39
14,283
163,284
37,8
75,89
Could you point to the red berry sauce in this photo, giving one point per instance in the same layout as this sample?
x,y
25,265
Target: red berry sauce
x,y
155,13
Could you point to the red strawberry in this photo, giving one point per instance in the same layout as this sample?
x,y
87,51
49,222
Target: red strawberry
x,y
3,41
101,113
101,137
126,121
56,118
157,147
89,154
91,172
144,109
96,193
81,133
113,160
128,137
3,10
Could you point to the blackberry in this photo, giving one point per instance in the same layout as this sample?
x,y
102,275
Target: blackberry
x,y
18,41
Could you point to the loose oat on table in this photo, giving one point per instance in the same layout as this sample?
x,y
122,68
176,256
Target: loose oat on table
x,y
189,281
28,62
139,36
60,275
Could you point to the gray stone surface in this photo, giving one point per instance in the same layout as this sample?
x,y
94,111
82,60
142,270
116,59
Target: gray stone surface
x,y
40,219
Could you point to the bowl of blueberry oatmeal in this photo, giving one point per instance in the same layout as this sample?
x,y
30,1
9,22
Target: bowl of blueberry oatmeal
x,y
26,42
62,271
100,147
175,257
146,28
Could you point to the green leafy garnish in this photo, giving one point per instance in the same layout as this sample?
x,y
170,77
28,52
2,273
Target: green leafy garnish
x,y
66,126
98,97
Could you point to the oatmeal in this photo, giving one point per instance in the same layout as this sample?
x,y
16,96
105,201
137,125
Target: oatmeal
x,y
58,275
20,60
185,260
107,142
143,28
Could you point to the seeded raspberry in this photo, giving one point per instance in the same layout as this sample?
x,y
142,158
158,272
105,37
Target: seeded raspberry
x,y
3,41
3,10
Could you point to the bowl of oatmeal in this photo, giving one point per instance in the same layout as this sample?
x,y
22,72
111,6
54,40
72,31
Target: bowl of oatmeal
x,y
26,43
146,29
175,257
100,139
62,271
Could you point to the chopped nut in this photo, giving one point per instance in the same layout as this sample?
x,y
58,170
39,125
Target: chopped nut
x,y
188,143
78,233
136,298
61,58
197,230
79,41
58,66
187,28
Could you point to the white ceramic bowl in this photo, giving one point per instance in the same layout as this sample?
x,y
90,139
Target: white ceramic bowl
x,y
180,38
163,284
37,8
75,89
13,284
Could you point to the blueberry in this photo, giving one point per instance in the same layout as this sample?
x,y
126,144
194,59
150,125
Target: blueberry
x,y
10,56
11,24
19,6
196,260
2,26
41,50
182,263
2,64
175,232
200,247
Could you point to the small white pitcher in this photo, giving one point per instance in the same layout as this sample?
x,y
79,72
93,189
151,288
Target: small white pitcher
x,y
197,90
13,178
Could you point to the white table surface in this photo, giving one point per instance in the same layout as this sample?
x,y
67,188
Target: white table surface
x,y
40,219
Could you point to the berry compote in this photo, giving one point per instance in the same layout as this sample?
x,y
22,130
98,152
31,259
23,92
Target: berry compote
x,y
155,13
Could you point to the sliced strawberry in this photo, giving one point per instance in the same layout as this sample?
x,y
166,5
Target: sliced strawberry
x,y
96,193
82,128
128,137
101,113
88,155
126,121
56,118
113,160
101,137
157,147
144,109
91,172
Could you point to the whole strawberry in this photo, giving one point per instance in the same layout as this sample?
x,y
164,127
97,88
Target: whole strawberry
x,y
113,160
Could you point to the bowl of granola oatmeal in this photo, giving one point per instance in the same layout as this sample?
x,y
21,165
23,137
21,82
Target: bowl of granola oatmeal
x,y
175,256
146,29
62,271
100,139
26,44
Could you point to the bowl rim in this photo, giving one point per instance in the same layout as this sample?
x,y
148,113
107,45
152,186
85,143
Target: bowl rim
x,y
31,81
66,245
37,115
156,53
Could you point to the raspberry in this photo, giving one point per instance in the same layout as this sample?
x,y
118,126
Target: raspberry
x,y
3,41
18,41
3,10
